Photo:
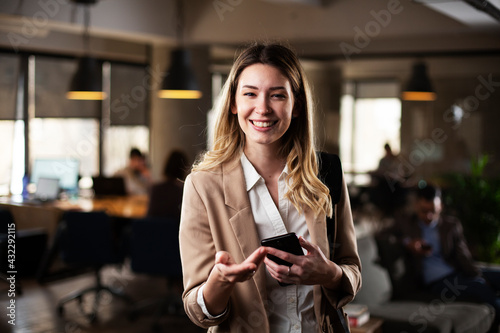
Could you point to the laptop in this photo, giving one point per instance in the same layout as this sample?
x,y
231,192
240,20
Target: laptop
x,y
47,189
106,186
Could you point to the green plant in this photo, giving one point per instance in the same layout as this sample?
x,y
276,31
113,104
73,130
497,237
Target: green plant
x,y
476,201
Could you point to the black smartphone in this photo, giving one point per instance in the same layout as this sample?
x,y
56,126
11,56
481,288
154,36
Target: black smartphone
x,y
287,242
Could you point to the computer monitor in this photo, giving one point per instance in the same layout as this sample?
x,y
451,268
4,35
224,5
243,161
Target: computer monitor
x,y
64,169
104,186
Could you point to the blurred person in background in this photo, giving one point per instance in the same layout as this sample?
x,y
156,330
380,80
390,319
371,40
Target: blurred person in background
x,y
136,174
439,252
165,198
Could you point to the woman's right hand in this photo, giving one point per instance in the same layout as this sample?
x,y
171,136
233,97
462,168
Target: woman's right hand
x,y
225,274
229,271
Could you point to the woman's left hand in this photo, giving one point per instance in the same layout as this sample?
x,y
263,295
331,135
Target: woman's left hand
x,y
310,269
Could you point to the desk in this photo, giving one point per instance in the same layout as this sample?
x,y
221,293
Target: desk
x,y
131,207
48,215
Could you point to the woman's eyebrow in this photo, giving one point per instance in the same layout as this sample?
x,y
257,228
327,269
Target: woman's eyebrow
x,y
272,88
249,86
277,88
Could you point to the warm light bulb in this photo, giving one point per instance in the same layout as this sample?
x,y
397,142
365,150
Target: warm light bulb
x,y
86,95
180,94
418,96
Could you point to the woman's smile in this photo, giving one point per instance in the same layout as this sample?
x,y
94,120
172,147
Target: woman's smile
x,y
263,124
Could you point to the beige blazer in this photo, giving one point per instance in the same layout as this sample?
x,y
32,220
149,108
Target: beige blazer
x,y
216,215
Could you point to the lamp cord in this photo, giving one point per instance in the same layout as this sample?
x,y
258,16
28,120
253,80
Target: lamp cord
x,y
86,31
86,26
180,21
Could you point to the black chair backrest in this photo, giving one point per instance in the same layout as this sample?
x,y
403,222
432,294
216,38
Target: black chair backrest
x,y
154,247
87,238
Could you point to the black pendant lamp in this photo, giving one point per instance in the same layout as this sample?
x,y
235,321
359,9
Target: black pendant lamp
x,y
180,81
86,84
419,87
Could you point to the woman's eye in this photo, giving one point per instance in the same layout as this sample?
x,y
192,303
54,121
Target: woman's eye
x,y
249,94
279,96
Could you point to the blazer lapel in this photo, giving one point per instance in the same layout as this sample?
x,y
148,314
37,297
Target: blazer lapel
x,y
242,222
236,197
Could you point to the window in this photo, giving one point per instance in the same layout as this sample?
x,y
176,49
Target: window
x,y
8,147
66,138
128,117
119,140
68,129
62,128
370,118
11,132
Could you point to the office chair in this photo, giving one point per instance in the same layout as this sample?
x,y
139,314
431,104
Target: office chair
x,y
154,250
87,239
20,250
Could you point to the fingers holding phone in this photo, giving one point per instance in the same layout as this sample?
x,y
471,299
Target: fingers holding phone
x,y
282,253
293,267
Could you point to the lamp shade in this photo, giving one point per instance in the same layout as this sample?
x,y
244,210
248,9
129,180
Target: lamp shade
x,y
180,82
87,81
419,87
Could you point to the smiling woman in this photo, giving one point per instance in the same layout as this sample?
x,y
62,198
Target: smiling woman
x,y
264,106
259,181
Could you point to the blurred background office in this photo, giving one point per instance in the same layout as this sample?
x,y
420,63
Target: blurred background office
x,y
359,57
421,76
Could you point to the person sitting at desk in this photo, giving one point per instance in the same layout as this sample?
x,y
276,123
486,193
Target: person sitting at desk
x,y
136,174
166,197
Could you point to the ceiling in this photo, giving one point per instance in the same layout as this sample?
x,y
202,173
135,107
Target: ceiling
x,y
458,10
320,29
466,13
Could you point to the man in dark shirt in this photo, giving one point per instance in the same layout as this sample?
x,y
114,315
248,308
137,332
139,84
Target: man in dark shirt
x,y
441,255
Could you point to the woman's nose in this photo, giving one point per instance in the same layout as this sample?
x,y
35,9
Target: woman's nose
x,y
262,106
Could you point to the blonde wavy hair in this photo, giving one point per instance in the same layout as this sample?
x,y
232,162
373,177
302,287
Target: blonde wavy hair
x,y
298,147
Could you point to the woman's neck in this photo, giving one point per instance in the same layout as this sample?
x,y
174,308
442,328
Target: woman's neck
x,y
270,166
267,162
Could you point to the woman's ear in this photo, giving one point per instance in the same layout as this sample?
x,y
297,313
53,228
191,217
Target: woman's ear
x,y
234,110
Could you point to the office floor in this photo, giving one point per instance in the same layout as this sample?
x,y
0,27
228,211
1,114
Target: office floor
x,y
36,309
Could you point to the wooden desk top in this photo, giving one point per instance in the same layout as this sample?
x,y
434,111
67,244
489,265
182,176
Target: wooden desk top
x,y
118,206
48,215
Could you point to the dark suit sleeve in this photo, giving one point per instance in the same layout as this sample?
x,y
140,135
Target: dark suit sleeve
x,y
458,248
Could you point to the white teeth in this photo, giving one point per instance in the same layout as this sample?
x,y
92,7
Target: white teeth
x,y
263,123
